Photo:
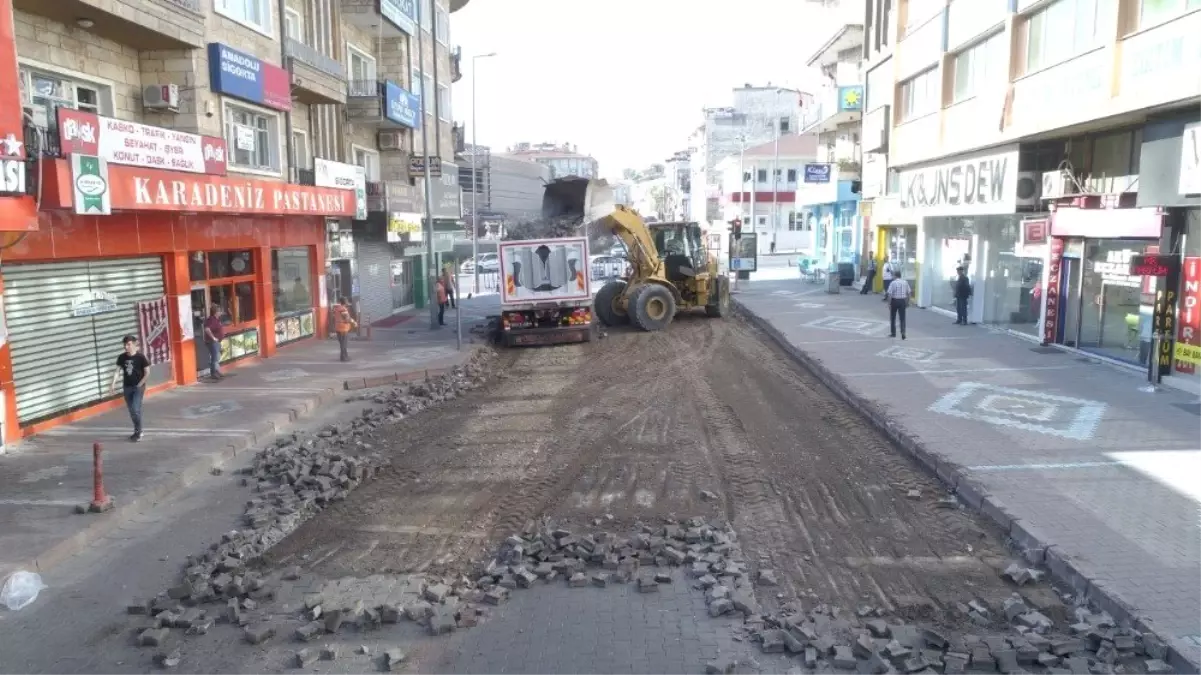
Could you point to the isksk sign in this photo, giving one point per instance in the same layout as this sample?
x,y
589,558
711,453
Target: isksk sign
x,y
130,143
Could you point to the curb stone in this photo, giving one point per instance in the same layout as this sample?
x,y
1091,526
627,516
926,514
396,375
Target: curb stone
x,y
1072,573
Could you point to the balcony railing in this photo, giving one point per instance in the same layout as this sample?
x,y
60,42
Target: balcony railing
x,y
42,142
305,177
190,5
306,54
456,64
362,88
459,134
377,196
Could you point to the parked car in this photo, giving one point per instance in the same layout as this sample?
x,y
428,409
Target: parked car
x,y
489,262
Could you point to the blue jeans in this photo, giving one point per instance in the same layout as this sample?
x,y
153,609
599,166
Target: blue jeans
x,y
133,401
214,357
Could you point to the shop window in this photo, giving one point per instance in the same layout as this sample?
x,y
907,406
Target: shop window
x,y
244,305
196,268
292,280
253,139
225,264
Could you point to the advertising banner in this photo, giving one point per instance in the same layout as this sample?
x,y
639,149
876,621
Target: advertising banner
x,y
1188,329
744,253
1051,292
400,13
238,74
122,142
90,185
153,330
401,106
817,173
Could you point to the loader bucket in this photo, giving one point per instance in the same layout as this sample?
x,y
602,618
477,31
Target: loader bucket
x,y
589,200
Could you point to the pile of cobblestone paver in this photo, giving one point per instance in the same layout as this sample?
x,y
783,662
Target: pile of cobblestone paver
x,y
293,479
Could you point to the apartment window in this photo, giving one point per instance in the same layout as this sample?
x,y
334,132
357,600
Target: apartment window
x,y
792,175
294,24
761,176
980,67
255,14
368,159
1153,12
443,26
300,149
422,91
253,138
46,92
1064,29
444,103
359,64
919,95
784,125
918,12
423,13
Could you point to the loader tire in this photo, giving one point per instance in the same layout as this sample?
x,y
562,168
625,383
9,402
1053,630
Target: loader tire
x,y
722,307
606,307
652,307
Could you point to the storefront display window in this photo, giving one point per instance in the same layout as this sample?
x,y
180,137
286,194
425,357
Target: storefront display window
x,y
901,250
1112,319
225,264
292,279
224,279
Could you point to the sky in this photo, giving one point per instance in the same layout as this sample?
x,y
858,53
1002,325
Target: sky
x,y
625,80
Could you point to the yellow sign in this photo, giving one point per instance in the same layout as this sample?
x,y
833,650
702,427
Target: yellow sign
x,y
1188,353
403,225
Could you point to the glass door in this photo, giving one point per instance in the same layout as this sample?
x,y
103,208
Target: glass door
x,y
200,305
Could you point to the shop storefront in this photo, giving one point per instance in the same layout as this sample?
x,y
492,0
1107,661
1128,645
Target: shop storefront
x,y
1093,302
968,208
830,209
126,249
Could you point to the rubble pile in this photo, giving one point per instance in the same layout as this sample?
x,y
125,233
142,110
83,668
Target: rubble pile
x,y
568,225
293,479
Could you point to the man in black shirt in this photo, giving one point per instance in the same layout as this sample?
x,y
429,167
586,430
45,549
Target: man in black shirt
x,y
132,368
963,291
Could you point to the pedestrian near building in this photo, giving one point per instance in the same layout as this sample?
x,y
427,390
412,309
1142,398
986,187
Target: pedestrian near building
x,y
448,282
132,369
888,273
897,294
871,277
963,291
343,324
440,288
214,332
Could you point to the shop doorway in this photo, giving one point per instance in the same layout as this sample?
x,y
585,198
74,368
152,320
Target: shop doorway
x,y
225,279
403,284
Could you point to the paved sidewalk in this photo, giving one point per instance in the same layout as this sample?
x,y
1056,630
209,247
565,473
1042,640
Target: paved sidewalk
x,y
189,430
1099,479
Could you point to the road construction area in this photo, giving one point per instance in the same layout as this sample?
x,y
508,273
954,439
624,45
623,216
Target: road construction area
x,y
686,501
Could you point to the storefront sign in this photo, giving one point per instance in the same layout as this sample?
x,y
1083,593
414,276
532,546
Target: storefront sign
x,y
153,331
12,166
121,142
238,74
344,177
976,185
1144,223
850,99
90,303
18,211
744,253
447,195
1188,331
417,166
402,106
1190,159
133,188
1153,265
1051,292
1115,269
400,13
1165,326
292,328
1035,231
89,181
817,173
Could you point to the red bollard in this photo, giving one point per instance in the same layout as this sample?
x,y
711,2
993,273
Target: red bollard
x,y
100,501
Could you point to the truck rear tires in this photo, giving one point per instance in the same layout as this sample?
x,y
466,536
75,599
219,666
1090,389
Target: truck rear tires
x,y
652,307
607,308
721,286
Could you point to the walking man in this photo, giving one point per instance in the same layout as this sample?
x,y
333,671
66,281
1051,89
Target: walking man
x,y
897,294
132,369
871,276
440,288
963,291
773,247
214,331
343,324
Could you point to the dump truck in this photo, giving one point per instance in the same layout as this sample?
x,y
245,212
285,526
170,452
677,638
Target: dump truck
x,y
546,292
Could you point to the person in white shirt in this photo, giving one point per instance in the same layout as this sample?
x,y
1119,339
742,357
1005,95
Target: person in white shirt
x,y
887,274
897,294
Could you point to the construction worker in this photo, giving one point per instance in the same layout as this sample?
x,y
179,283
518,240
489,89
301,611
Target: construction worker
x,y
343,324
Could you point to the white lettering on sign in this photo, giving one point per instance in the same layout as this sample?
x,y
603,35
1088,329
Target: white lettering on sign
x,y
12,176
977,185
1115,269
236,198
335,174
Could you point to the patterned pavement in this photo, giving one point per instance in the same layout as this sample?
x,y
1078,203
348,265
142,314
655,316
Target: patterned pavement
x,y
1066,453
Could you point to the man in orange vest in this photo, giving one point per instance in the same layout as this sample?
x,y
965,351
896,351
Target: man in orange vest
x,y
343,324
441,290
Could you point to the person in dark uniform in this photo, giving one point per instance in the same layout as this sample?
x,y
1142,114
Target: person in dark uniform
x,y
132,368
963,291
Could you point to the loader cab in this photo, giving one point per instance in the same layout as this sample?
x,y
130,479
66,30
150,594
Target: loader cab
x,y
682,249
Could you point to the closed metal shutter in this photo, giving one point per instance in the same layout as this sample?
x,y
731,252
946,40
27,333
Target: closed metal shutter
x,y
375,279
60,361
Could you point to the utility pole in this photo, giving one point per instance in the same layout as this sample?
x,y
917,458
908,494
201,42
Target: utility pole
x,y
775,174
428,224
475,214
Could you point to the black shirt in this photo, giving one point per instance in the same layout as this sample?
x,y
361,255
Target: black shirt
x,y
133,368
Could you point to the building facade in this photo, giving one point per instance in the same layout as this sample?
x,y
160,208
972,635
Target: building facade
x,y
757,116
760,186
1042,146
563,159
249,156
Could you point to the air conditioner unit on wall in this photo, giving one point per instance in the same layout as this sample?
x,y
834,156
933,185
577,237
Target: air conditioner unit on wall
x,y
391,140
1056,184
161,97
1029,188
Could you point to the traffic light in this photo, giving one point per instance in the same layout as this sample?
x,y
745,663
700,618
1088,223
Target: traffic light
x,y
736,228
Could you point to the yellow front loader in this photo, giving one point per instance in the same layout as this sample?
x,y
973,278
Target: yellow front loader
x,y
670,267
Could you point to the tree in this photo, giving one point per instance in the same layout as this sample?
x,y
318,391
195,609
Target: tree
x,y
664,200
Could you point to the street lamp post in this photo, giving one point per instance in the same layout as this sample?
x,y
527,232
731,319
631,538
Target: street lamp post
x,y
475,214
775,176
